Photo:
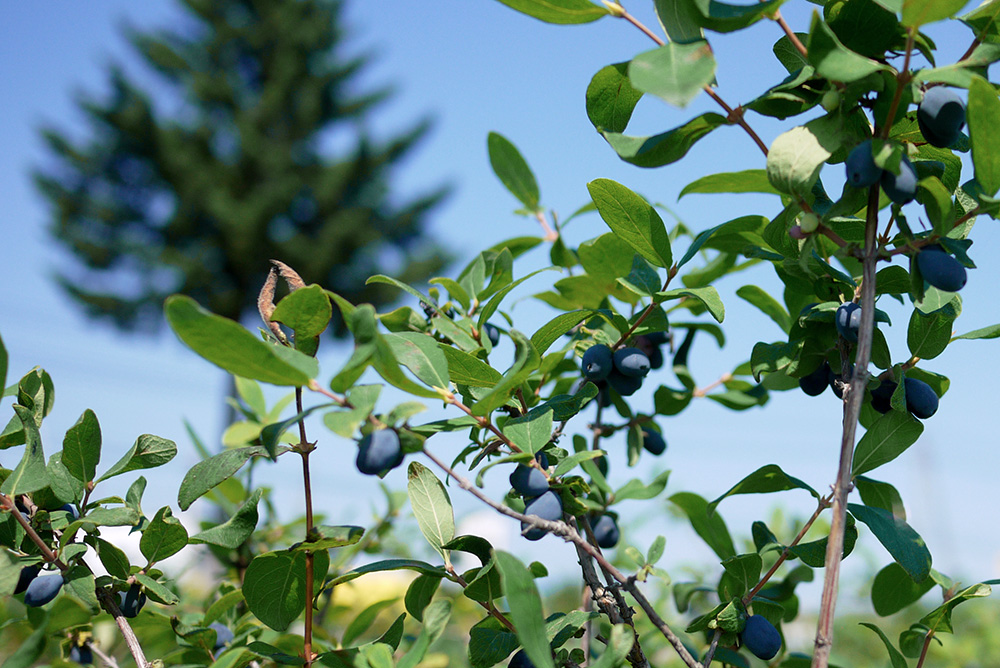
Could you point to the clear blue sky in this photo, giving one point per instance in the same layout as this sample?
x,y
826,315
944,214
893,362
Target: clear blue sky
x,y
477,66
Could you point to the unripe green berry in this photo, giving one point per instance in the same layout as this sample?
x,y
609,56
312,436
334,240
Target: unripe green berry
x,y
809,222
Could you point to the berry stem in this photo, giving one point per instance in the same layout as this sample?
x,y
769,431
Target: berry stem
x,y
792,37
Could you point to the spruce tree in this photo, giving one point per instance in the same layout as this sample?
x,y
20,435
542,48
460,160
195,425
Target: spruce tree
x,y
199,198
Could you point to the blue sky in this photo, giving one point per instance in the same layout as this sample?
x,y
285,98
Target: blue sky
x,y
476,66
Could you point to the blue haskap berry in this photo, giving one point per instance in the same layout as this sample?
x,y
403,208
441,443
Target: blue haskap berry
x,y
941,115
223,636
900,188
815,383
606,531
861,168
548,506
920,398
42,589
528,480
761,638
520,660
379,451
492,333
882,395
631,362
81,655
624,385
941,270
653,442
28,573
848,321
597,362
130,602
71,510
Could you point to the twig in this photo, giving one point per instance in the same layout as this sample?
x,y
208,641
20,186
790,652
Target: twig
x,y
108,660
550,234
304,447
923,650
8,504
711,648
792,37
854,393
902,78
488,606
108,601
702,391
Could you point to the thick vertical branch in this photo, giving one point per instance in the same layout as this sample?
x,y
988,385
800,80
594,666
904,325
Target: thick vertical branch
x,y
855,392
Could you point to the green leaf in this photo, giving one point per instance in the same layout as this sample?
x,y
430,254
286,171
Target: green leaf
x,y
205,475
30,650
747,181
512,170
530,432
929,334
665,148
768,305
550,332
636,489
723,17
326,536
435,620
902,542
388,565
147,452
559,11
488,309
710,527
619,645
796,157
880,495
984,117
611,98
765,480
490,642
707,295
835,61
893,589
363,621
680,20
163,537
525,608
274,586
420,354
113,558
885,440
419,595
307,311
813,553
633,220
30,474
918,13
431,507
236,530
984,20
466,369
897,659
938,620
526,360
991,332
675,73
743,571
80,583
113,517
3,365
228,345
82,447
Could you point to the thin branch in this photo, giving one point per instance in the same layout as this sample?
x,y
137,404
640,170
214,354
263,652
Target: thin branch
x,y
790,34
711,648
304,447
550,234
109,603
923,650
488,606
853,395
902,78
109,661
8,504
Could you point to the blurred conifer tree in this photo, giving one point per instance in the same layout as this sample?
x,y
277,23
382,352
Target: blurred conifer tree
x,y
198,199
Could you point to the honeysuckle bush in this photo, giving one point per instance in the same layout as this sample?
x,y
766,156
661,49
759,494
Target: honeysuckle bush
x,y
857,75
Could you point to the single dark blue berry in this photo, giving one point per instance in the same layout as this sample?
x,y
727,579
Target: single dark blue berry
x,y
653,442
631,362
761,638
624,385
882,395
379,451
815,383
520,660
941,270
548,506
921,399
43,589
861,168
223,636
848,321
900,188
28,573
941,115
528,480
130,602
597,362
606,531
81,655
492,333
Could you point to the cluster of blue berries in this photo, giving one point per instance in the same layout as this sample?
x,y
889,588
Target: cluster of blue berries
x,y
623,369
